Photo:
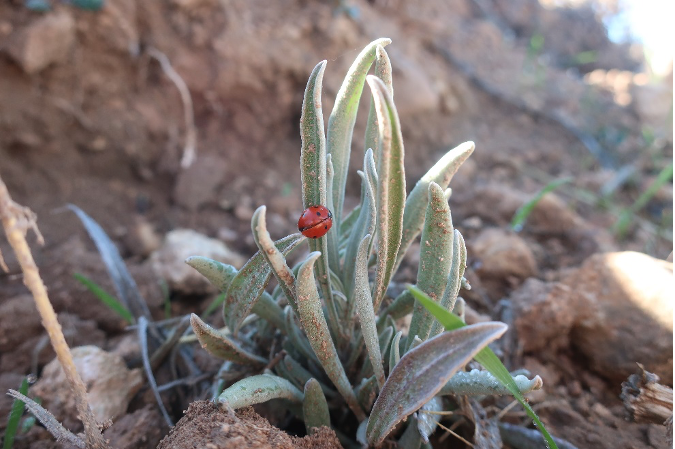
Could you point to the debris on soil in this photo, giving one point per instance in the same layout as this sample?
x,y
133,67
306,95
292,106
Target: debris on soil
x,y
646,399
205,424
141,429
110,386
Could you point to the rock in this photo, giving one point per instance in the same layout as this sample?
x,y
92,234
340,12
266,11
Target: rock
x,y
505,260
110,386
552,216
653,104
543,315
46,41
138,430
627,314
168,262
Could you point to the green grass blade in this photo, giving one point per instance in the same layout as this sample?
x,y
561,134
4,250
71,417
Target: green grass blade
x,y
105,297
391,186
18,407
485,357
342,119
524,211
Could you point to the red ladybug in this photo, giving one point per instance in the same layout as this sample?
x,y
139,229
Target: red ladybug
x,y
315,221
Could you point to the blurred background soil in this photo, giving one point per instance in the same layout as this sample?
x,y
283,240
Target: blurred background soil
x,y
88,117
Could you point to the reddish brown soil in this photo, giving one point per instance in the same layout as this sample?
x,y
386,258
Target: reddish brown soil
x,y
102,127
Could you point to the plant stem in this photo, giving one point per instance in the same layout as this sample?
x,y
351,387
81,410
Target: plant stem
x,y
16,220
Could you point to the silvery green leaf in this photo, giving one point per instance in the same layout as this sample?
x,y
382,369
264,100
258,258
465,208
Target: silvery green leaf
x,y
364,306
316,328
295,336
454,282
394,351
315,407
441,173
391,186
258,389
220,346
427,422
479,383
365,224
247,286
366,392
423,371
435,258
411,437
333,252
219,274
342,118
298,372
313,176
273,256
383,72
267,309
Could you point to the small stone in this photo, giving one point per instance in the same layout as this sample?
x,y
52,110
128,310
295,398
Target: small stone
x,y
46,41
505,260
626,315
169,264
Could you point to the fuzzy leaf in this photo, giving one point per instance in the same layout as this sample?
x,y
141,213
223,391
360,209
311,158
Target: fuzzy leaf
x,y
295,336
332,237
441,173
313,176
247,286
257,389
391,186
480,383
364,305
298,372
219,274
316,328
427,422
454,282
273,256
366,392
218,345
315,407
365,224
383,72
485,357
422,372
435,258
342,119
267,309
394,351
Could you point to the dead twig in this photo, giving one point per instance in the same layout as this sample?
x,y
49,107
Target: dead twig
x,y
189,151
16,220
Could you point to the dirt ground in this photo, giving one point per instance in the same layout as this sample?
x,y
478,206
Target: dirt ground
x,y
88,117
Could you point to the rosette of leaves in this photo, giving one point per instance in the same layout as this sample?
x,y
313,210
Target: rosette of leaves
x,y
323,340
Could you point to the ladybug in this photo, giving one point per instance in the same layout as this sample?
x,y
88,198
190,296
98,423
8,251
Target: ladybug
x,y
315,221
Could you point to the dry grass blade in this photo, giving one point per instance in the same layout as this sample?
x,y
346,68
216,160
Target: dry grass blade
x,y
48,420
143,341
189,152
